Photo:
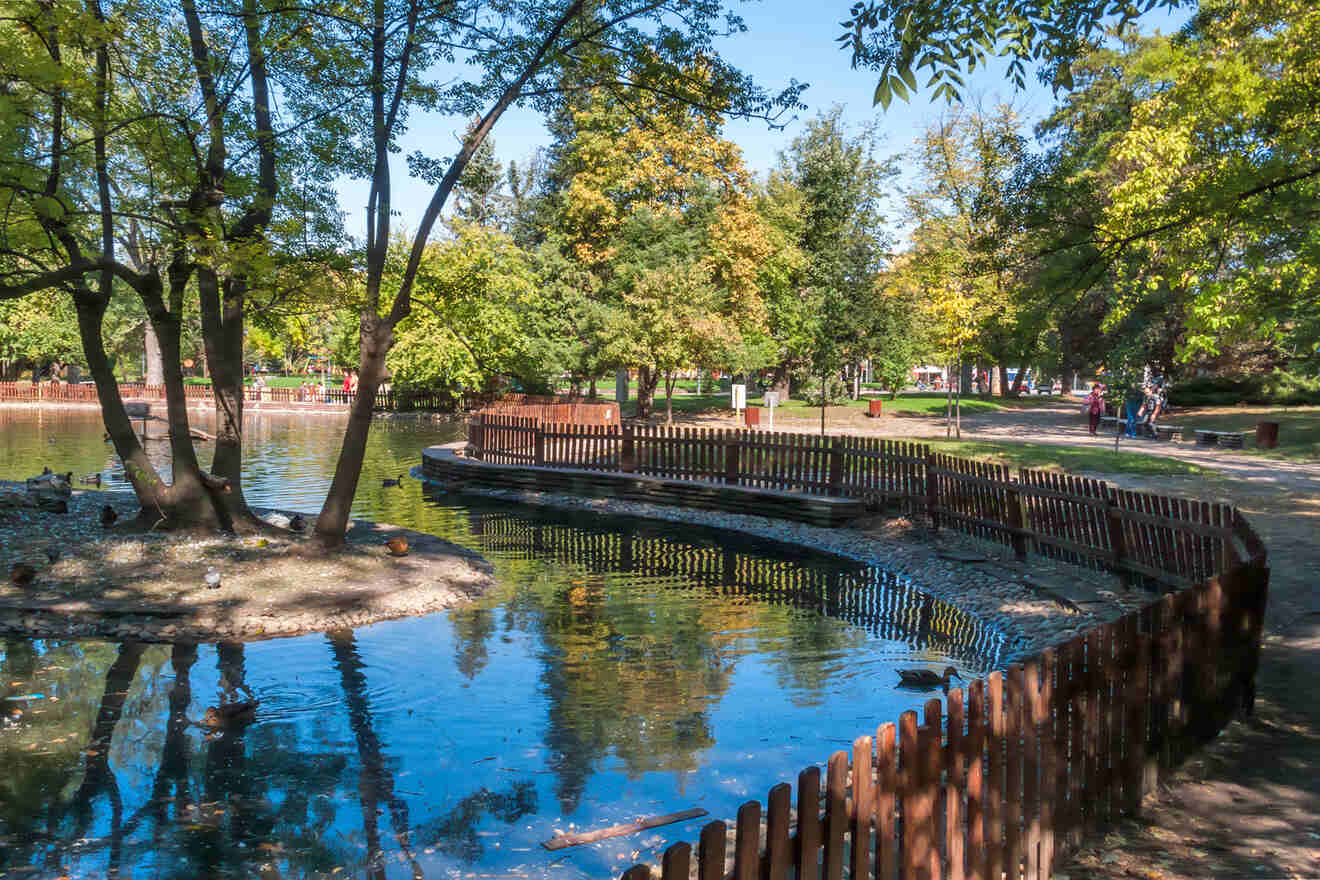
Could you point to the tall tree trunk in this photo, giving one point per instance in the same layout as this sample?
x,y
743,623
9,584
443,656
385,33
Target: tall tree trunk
x,y
332,524
670,379
948,402
647,379
155,369
779,381
141,473
222,327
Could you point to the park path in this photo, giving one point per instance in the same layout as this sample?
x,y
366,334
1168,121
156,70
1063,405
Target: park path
x,y
1248,804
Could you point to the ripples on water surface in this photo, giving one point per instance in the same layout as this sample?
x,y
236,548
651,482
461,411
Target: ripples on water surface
x,y
621,668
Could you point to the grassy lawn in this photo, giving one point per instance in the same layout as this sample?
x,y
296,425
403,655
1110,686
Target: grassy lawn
x,y
1299,428
916,403
1073,459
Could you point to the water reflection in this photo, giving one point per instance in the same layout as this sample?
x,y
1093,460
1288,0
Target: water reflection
x,y
620,668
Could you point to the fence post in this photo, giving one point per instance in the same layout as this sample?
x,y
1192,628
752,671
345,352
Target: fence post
x,y
538,445
835,478
932,491
477,438
628,456
731,458
1115,520
1017,522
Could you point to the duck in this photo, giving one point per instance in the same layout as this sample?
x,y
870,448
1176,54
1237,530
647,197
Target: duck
x,y
385,484
398,545
108,516
297,523
927,678
91,480
21,574
230,715
212,578
53,554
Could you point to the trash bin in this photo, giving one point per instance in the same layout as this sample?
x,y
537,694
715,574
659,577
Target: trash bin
x,y
1267,434
752,416
873,408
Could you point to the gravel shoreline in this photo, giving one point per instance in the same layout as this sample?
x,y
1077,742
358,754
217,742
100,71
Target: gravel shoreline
x,y
129,582
996,589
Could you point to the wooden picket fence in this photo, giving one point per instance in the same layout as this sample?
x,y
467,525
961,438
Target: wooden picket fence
x,y
1001,781
388,401
1084,522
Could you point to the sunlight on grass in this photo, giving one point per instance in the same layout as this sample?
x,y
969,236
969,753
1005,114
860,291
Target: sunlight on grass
x,y
1044,456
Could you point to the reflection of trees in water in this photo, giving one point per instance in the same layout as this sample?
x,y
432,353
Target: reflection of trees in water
x,y
879,601
455,833
635,675
376,781
213,807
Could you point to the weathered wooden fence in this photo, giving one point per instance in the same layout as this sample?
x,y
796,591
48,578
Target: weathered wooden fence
x,y
1004,780
390,401
1001,784
1086,522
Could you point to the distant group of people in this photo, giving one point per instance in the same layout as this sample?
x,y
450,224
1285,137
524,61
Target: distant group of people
x,y
350,385
1143,405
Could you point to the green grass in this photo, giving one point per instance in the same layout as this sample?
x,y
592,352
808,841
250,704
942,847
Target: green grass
x,y
1073,459
916,403
271,381
1299,429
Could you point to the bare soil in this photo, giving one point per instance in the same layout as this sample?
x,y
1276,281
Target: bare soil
x,y
129,581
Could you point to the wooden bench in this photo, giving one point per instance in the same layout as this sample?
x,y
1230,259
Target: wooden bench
x,y
1223,439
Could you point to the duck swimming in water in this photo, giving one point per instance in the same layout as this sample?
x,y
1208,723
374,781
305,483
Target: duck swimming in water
x,y
230,715
108,516
385,484
926,678
91,480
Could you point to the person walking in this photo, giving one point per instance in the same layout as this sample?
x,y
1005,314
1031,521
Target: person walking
x,y
1095,405
1132,402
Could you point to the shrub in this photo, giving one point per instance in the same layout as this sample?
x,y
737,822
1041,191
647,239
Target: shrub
x,y
836,392
1267,389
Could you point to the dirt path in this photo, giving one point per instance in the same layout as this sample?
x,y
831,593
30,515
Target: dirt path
x,y
1248,805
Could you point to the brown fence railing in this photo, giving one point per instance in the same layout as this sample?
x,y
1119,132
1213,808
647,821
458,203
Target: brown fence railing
x,y
1085,522
391,401
1002,779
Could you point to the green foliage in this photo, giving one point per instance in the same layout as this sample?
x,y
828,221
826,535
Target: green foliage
x,y
480,313
1277,388
835,391
951,38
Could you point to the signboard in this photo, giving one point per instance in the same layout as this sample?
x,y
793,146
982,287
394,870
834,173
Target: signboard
x,y
739,395
771,399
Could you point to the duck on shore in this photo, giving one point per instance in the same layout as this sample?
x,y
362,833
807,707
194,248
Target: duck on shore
x,y
398,545
21,574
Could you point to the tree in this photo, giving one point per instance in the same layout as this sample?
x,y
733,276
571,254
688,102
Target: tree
x,y
651,50
652,191
131,205
483,314
954,37
843,240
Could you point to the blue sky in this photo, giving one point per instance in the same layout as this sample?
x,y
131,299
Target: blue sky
x,y
786,39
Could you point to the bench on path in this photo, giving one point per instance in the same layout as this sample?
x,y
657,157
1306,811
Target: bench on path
x,y
1224,439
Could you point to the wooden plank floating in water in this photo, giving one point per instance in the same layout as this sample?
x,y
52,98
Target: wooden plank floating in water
x,y
562,841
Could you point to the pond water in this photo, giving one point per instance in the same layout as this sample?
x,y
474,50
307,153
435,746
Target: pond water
x,y
622,668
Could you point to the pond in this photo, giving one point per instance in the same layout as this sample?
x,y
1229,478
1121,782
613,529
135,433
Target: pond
x,y
621,668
